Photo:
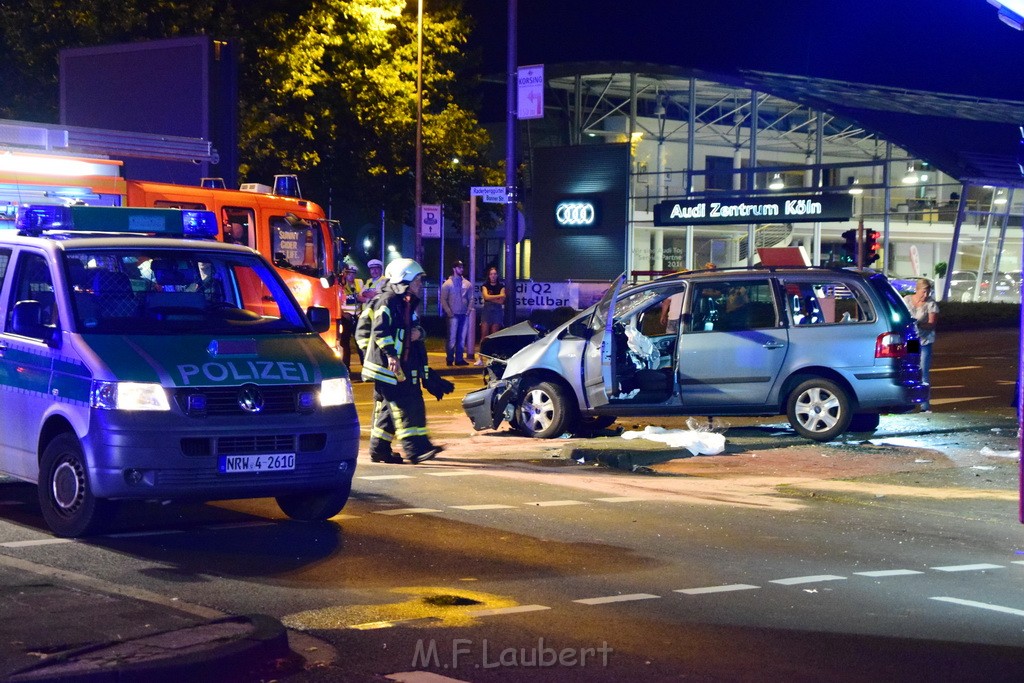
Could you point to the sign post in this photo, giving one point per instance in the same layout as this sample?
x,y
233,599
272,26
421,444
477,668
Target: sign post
x,y
530,95
492,194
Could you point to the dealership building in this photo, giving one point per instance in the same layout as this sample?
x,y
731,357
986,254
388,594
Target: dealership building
x,y
651,170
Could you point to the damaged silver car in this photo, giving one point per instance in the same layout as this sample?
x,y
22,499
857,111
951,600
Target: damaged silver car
x,y
832,349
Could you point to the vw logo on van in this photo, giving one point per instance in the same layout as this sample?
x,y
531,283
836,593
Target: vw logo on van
x,y
250,398
575,213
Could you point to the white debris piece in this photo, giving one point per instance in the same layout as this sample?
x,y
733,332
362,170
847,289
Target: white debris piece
x,y
642,350
698,442
999,454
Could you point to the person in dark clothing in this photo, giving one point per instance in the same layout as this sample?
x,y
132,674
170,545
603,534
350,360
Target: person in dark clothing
x,y
395,358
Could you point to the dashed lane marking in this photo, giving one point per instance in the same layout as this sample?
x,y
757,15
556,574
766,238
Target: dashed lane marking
x,y
40,541
239,525
507,610
623,499
158,532
797,580
889,572
968,567
453,473
482,507
717,589
404,511
981,605
385,477
617,598
555,503
962,367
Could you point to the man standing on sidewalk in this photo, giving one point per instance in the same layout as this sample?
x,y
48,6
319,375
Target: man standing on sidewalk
x,y
456,298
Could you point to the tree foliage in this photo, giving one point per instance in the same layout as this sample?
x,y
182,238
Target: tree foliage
x,y
339,103
327,87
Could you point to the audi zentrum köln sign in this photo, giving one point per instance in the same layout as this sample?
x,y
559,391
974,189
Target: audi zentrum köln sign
x,y
757,209
577,213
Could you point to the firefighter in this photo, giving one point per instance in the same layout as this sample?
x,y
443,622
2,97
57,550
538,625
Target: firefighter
x,y
392,341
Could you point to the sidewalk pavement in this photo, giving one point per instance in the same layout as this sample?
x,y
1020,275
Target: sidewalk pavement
x,y
58,625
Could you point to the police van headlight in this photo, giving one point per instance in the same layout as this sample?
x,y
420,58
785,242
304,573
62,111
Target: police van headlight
x,y
128,396
335,392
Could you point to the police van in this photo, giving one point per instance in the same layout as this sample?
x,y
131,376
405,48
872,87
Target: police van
x,y
138,364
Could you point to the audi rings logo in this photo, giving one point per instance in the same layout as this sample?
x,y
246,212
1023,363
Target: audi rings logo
x,y
250,398
575,213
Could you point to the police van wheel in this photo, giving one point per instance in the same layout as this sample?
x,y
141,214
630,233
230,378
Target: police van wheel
x,y
819,409
544,412
65,493
314,507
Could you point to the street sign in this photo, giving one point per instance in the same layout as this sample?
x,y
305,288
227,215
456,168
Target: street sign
x,y
530,95
430,220
492,194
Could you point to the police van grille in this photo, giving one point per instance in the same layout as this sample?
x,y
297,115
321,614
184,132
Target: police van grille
x,y
254,445
305,473
277,399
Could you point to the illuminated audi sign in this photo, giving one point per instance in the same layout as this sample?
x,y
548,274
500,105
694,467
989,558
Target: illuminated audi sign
x,y
576,213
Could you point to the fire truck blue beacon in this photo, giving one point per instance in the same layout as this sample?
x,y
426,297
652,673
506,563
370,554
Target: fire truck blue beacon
x,y
139,364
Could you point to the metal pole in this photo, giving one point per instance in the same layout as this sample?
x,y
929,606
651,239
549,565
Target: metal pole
x,y
419,130
471,318
383,253
511,219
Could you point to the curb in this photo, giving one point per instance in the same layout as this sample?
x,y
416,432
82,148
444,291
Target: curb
x,y
227,649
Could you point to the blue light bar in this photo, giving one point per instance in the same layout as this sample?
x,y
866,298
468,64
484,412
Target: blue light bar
x,y
134,221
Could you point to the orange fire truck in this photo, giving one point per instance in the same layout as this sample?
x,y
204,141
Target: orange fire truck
x,y
292,233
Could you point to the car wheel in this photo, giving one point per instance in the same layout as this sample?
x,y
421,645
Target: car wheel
x,y
314,507
864,422
819,409
543,411
65,493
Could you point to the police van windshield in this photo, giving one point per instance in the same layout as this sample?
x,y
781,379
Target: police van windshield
x,y
161,291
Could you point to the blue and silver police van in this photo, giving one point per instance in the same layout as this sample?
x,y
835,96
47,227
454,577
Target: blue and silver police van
x,y
138,364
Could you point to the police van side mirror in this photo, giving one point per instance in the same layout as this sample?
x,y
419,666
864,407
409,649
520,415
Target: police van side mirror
x,y
26,320
320,317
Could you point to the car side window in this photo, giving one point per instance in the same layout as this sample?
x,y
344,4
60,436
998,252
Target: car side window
x,y
732,306
32,283
825,302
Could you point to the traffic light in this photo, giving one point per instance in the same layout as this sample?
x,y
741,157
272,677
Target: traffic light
x,y
850,246
871,247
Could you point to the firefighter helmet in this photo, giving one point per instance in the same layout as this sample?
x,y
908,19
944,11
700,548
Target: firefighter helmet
x,y
403,270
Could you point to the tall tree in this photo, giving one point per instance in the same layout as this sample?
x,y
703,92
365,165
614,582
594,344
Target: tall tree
x,y
339,104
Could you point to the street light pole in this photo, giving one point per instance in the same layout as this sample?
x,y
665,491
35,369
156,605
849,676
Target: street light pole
x,y
511,219
419,130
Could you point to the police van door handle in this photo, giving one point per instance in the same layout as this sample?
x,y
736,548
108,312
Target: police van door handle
x,y
3,349
774,345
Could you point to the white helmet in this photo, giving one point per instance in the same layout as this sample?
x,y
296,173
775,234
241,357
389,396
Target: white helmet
x,y
403,270
374,263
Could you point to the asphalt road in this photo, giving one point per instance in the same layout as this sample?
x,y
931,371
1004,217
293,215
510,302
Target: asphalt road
x,y
900,558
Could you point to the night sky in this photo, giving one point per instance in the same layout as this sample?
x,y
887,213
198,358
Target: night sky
x,y
950,46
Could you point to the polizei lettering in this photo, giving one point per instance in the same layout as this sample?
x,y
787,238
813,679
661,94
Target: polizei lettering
x,y
243,371
802,207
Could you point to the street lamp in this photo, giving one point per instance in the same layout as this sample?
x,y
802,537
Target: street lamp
x,y
419,129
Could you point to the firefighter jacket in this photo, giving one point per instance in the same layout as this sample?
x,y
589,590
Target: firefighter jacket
x,y
384,330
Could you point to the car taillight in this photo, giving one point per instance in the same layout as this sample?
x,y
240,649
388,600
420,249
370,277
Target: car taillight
x,y
890,345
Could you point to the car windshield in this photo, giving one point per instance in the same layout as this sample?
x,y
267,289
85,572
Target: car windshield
x,y
163,291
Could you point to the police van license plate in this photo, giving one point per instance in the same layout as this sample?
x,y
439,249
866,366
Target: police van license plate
x,y
230,464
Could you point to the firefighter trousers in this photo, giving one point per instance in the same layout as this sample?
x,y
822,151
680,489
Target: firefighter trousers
x,y
398,414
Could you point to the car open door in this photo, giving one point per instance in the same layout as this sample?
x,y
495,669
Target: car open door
x,y
598,370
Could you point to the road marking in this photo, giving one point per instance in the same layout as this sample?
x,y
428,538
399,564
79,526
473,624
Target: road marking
x,y
962,399
1017,562
962,367
404,511
797,580
385,477
717,589
617,598
623,499
482,507
41,541
948,386
556,503
981,605
238,525
968,567
889,572
453,473
507,610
